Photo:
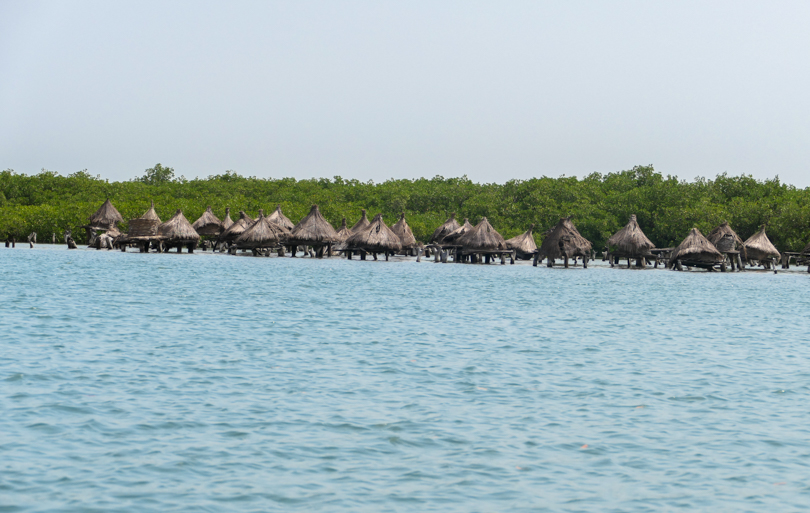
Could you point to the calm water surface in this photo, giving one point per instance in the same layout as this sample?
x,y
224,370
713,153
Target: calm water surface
x,y
145,382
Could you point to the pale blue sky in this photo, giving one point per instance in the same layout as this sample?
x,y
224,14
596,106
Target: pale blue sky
x,y
377,90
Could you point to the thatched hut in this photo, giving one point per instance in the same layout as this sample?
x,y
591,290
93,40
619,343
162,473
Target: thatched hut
x,y
452,237
445,229
696,251
343,233
151,214
262,233
106,217
208,224
280,219
142,230
237,228
564,241
523,245
630,242
482,237
377,238
227,222
759,248
404,233
178,232
313,230
724,238
362,224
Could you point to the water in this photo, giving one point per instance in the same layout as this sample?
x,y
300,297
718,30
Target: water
x,y
144,382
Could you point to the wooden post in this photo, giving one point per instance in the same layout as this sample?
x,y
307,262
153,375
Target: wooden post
x,y
534,260
436,256
565,261
739,262
678,266
362,255
549,262
348,254
418,254
584,262
487,259
444,256
512,257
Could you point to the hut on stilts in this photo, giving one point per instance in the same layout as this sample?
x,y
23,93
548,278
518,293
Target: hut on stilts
x,y
236,229
343,234
104,219
564,242
728,243
445,229
405,234
696,251
361,224
315,231
261,236
280,219
143,231
523,245
208,225
176,233
630,243
482,244
759,249
376,238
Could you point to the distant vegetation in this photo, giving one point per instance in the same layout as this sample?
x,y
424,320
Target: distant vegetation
x,y
601,204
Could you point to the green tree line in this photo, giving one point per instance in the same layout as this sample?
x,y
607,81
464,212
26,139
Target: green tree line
x,y
667,208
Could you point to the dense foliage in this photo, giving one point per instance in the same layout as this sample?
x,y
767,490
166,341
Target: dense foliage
x,y
601,204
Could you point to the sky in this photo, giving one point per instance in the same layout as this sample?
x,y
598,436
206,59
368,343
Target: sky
x,y
379,90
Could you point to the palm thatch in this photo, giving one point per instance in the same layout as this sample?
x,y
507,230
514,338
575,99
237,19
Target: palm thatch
x,y
404,233
453,236
362,224
227,222
343,232
759,247
208,223
280,219
146,225
263,233
376,238
523,244
695,250
178,229
563,241
237,228
630,241
724,238
313,230
446,229
105,217
151,214
482,237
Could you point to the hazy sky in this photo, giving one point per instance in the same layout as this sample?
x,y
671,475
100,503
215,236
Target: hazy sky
x,y
378,90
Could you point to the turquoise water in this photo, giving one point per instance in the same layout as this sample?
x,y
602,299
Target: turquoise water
x,y
146,382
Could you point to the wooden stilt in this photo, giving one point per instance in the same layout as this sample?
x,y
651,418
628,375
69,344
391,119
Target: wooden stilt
x,y
549,262
585,262
535,259
565,261
348,254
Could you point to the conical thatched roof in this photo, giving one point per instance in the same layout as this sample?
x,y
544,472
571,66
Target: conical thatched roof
x,y
377,238
263,233
404,232
453,236
106,216
343,233
227,222
278,217
564,240
759,247
444,230
208,223
178,228
151,214
481,238
313,229
630,240
238,227
724,238
523,243
695,248
362,224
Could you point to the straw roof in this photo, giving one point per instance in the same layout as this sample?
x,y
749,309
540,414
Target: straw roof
x,y
564,240
238,227
178,228
208,223
278,217
447,228
263,233
630,240
106,216
151,214
343,232
458,232
724,238
362,224
227,222
695,248
404,232
482,237
759,247
313,229
378,237
523,243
